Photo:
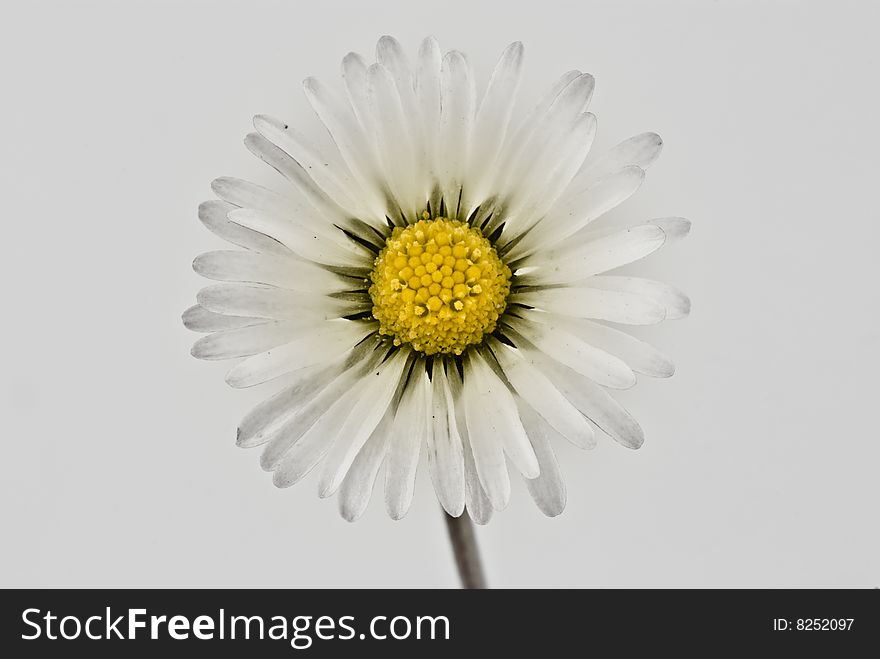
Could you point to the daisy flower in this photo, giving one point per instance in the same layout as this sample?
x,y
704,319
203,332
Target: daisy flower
x,y
431,282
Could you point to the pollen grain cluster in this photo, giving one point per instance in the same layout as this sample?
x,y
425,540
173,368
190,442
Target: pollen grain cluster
x,y
439,286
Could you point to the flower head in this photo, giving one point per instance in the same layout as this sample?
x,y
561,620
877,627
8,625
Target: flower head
x,y
432,282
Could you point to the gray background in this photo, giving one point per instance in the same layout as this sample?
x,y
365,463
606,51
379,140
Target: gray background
x,y
118,465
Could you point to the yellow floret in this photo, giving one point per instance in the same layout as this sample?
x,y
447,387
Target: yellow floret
x,y
439,286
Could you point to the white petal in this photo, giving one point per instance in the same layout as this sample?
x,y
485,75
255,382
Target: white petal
x,y
675,228
245,194
478,505
393,140
493,117
213,214
328,173
308,450
549,177
576,83
348,135
568,265
641,150
547,133
366,413
641,357
614,306
354,73
354,495
246,341
601,367
458,103
293,171
408,433
676,303
515,143
548,489
427,88
310,242
591,399
321,213
314,348
199,319
536,390
494,429
260,301
390,54
566,219
317,403
281,271
523,132
484,439
445,454
258,424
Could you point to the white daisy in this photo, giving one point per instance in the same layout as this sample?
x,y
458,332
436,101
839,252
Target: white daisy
x,y
432,283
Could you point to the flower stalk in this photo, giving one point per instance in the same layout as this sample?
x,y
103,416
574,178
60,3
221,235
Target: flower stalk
x,y
466,551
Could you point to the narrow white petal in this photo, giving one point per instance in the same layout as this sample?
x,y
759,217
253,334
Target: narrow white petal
x,y
566,219
540,393
641,150
523,132
390,54
308,450
614,306
294,172
493,117
484,439
445,454
591,399
428,101
601,367
316,404
676,303
675,228
393,140
548,489
552,174
366,413
354,73
320,212
214,215
258,424
199,319
408,433
260,301
281,271
357,488
458,103
327,245
245,194
314,348
246,341
548,131
348,135
494,429
330,174
478,505
639,356
568,265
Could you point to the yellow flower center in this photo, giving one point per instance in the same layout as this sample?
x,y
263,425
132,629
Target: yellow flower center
x,y
439,286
